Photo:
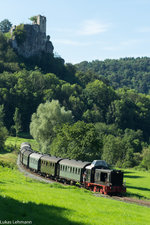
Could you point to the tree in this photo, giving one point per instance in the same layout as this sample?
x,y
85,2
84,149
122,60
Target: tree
x,y
3,136
123,113
1,114
17,121
49,115
3,130
33,19
146,159
113,150
99,94
5,26
20,34
78,141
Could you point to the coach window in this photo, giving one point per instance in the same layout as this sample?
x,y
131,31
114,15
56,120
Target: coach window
x,y
76,170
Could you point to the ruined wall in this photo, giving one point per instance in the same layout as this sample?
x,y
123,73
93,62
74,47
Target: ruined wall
x,y
41,21
35,41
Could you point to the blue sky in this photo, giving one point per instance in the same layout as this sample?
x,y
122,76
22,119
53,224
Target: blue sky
x,y
89,29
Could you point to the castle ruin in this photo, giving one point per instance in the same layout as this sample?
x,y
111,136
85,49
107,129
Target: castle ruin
x,y
35,41
41,21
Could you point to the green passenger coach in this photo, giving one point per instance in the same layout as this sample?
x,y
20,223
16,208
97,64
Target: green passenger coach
x,y
49,165
26,155
22,154
72,170
34,161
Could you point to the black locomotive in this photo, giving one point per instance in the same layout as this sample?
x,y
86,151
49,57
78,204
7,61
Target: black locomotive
x,y
96,176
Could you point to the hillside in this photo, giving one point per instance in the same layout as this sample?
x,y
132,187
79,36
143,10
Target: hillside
x,y
132,73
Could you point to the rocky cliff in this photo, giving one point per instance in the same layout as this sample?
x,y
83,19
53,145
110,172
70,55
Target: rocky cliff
x,y
35,39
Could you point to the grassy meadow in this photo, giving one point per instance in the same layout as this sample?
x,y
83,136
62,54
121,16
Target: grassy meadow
x,y
138,183
16,141
24,199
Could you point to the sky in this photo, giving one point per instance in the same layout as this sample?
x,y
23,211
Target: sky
x,y
86,30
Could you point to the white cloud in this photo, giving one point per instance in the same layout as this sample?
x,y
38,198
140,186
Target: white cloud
x,y
92,27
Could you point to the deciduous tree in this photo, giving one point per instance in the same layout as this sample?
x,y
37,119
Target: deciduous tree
x,y
49,115
78,141
5,26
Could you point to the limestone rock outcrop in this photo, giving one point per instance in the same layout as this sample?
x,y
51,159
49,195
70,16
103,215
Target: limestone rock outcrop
x,y
35,41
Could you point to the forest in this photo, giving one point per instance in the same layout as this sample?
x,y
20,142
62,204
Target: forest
x,y
133,73
91,110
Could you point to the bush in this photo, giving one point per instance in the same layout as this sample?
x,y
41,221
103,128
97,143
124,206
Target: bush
x,y
20,34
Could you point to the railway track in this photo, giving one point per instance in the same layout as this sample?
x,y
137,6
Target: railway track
x,y
29,173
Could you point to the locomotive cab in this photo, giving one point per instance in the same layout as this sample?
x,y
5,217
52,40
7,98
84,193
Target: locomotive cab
x,y
90,170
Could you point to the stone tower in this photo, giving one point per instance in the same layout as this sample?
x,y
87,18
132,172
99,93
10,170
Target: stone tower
x,y
36,42
41,21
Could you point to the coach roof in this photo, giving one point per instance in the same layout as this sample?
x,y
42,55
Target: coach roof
x,y
74,163
35,156
28,152
50,158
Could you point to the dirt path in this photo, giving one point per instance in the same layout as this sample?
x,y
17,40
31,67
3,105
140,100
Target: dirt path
x,y
125,199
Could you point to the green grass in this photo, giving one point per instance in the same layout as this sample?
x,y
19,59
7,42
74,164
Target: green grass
x,y
138,183
8,159
16,141
24,199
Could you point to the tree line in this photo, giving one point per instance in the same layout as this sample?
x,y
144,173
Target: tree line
x,y
133,73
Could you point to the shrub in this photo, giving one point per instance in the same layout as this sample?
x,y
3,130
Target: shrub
x,y
20,34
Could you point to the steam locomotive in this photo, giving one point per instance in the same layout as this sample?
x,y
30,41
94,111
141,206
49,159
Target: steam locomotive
x,y
95,176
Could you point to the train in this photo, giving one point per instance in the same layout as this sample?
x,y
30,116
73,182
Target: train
x,y
95,176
